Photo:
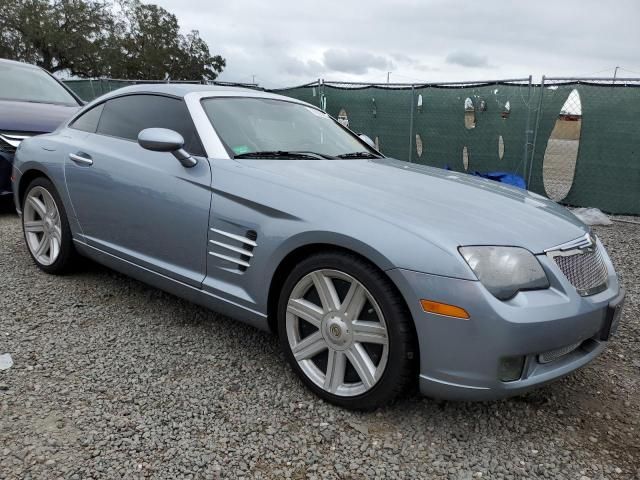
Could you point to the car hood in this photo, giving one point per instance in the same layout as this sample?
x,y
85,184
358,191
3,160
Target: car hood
x,y
33,117
445,207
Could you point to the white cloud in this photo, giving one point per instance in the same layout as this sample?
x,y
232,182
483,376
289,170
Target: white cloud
x,y
355,62
288,42
467,59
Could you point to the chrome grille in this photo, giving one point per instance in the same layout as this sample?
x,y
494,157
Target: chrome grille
x,y
6,147
584,268
9,141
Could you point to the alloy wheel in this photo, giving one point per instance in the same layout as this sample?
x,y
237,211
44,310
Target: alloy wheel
x,y
42,226
337,332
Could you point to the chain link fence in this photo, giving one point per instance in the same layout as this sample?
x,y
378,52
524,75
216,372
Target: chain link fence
x,y
574,140
587,144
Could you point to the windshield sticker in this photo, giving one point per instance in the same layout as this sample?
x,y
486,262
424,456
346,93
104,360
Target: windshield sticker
x,y
239,150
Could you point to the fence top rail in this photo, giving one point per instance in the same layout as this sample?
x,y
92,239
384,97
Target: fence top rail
x,y
315,83
422,84
593,79
608,81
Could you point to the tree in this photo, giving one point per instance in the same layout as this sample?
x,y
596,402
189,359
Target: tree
x,y
59,35
196,61
149,44
99,38
151,47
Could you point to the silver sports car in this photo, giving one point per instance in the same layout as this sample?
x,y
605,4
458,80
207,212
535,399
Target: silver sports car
x,y
374,272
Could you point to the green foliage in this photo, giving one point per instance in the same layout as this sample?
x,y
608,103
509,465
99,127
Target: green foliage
x,y
65,34
100,38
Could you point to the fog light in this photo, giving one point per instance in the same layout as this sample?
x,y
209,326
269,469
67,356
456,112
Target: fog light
x,y
510,368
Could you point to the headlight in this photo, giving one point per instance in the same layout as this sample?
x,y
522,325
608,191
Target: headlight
x,y
505,270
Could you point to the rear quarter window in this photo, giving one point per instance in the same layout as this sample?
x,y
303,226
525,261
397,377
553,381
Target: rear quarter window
x,y
88,121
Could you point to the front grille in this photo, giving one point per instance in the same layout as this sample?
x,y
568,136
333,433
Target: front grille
x,y
552,355
585,269
7,148
9,141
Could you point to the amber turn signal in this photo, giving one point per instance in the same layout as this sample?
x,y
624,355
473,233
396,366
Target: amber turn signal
x,y
444,309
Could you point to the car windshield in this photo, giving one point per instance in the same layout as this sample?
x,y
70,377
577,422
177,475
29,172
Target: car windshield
x,y
26,84
270,128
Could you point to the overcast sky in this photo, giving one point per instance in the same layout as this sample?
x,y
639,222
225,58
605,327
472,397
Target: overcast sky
x,y
290,42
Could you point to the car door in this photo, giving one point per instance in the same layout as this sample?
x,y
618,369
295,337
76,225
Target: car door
x,y
142,206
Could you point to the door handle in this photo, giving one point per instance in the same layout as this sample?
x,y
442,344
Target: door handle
x,y
81,159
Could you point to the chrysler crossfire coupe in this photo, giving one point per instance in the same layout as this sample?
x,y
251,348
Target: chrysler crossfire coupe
x,y
375,273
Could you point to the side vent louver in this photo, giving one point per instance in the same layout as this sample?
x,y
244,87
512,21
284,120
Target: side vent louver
x,y
236,249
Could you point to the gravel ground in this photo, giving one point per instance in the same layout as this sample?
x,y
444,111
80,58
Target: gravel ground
x,y
115,379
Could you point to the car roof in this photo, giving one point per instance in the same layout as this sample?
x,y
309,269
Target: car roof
x,y
177,89
19,64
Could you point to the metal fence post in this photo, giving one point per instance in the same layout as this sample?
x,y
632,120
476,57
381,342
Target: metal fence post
x,y
411,124
527,132
323,101
535,133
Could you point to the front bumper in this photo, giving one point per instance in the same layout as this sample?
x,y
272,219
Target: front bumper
x,y
459,359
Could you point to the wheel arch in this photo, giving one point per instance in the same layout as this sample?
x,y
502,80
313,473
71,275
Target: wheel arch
x,y
289,261
25,179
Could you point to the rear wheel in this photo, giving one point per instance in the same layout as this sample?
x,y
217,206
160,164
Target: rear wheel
x,y
346,331
46,229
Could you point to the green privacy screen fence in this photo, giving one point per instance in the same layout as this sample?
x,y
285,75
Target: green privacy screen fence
x,y
574,140
593,159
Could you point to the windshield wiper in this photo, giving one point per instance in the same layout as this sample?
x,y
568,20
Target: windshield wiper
x,y
283,154
358,155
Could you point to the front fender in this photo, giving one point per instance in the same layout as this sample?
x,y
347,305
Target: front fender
x,y
329,238
387,252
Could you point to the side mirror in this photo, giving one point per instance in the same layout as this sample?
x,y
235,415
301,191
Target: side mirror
x,y
165,140
367,140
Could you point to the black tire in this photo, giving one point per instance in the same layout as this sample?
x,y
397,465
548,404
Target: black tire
x,y
67,258
400,371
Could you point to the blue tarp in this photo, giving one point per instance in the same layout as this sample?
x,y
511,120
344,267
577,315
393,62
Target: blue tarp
x,y
504,177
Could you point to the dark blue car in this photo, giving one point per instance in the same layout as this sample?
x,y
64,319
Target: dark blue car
x,y
32,102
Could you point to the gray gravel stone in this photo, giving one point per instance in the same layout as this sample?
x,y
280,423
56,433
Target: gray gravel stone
x,y
115,379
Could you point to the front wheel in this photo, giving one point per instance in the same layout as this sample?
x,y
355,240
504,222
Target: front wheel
x,y
346,331
46,228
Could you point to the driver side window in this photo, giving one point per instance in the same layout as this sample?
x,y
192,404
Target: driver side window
x,y
125,117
